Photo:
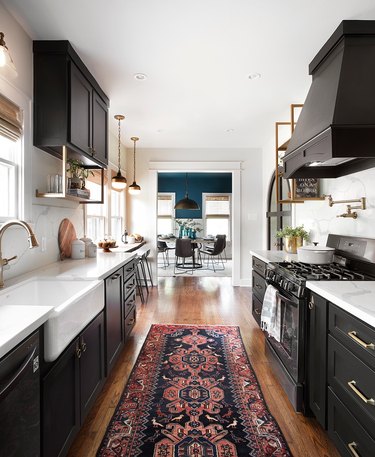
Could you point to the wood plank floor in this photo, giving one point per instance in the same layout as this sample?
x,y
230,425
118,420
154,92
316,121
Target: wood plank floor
x,y
192,300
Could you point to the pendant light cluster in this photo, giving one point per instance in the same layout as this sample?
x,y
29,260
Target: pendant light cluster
x,y
118,181
186,202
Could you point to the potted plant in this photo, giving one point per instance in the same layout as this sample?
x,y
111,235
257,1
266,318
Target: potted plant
x,y
78,174
292,237
74,169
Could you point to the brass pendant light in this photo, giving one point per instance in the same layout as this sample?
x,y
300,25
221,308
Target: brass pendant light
x,y
186,202
119,181
134,188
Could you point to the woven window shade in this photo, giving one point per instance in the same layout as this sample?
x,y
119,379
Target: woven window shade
x,y
11,119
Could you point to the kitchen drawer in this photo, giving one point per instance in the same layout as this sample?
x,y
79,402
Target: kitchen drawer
x,y
129,302
259,286
129,286
345,370
259,266
256,309
357,336
130,322
129,270
346,432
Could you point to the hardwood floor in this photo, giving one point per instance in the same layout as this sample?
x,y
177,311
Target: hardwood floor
x,y
189,300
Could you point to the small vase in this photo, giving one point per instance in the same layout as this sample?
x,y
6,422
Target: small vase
x,y
181,231
291,243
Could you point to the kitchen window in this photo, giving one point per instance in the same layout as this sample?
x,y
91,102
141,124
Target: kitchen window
x,y
217,214
166,213
10,158
106,218
96,214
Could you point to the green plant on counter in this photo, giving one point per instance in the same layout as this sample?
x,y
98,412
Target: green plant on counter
x,y
288,232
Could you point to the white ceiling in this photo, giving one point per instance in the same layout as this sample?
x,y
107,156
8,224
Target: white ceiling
x,y
197,55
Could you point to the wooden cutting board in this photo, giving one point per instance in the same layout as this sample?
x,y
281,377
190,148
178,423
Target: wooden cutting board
x,y
66,235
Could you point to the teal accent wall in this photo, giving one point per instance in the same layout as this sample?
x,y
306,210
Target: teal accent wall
x,y
198,183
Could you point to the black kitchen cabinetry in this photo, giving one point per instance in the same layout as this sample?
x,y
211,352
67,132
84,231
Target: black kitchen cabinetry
x,y
259,287
317,357
351,380
114,318
70,108
120,311
70,388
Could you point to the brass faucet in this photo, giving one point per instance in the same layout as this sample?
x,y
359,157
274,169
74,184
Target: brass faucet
x,y
349,208
33,243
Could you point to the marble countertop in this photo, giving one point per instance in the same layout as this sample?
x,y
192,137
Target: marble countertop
x,y
274,256
355,297
17,322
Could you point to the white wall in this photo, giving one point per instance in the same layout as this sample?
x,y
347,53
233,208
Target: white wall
x,y
141,219
45,219
321,219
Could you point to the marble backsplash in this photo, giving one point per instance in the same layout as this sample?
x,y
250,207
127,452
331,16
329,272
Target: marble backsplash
x,y
321,219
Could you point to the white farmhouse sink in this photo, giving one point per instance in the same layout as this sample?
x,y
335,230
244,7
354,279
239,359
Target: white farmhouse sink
x,y
75,303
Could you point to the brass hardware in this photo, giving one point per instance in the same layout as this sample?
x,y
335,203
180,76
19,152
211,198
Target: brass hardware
x,y
83,345
131,322
78,350
257,311
258,286
349,208
368,401
33,243
352,448
93,151
353,335
311,303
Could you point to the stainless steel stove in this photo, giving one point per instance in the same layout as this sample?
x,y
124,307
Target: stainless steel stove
x,y
354,260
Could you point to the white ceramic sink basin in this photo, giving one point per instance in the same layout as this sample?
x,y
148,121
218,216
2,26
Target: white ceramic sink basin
x,y
75,303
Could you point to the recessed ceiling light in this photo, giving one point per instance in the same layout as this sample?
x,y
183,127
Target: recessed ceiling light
x,y
255,76
140,76
159,130
229,130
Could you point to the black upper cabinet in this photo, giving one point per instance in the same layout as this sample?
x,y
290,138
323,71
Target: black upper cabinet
x,y
70,108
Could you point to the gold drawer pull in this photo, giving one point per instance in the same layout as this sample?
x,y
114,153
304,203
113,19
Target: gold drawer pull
x,y
353,335
352,448
369,401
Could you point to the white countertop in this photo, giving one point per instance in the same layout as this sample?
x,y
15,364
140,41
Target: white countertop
x,y
355,297
274,256
17,322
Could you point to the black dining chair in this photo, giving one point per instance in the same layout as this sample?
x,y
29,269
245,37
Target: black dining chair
x,y
186,256
163,249
215,254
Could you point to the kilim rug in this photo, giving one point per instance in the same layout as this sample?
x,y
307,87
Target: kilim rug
x,y
193,393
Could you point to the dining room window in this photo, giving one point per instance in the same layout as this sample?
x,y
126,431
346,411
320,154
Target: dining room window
x,y
166,213
217,214
10,158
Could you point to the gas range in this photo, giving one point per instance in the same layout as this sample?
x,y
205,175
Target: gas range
x,y
355,261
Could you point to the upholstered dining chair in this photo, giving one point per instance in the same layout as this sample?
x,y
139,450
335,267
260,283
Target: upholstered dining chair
x,y
185,256
215,254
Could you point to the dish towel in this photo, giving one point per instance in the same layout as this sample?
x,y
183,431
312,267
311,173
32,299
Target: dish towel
x,y
271,313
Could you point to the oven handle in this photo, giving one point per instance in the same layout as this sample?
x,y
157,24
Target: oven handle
x,y
282,297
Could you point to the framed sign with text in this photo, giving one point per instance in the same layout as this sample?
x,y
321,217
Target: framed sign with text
x,y
306,189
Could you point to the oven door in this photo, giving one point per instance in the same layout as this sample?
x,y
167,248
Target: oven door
x,y
290,347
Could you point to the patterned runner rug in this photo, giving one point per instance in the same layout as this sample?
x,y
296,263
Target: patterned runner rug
x,y
193,393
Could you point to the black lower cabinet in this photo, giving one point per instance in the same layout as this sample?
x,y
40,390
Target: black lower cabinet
x,y
70,388
317,357
346,432
259,287
114,318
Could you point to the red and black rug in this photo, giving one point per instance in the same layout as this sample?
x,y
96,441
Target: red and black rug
x,y
193,393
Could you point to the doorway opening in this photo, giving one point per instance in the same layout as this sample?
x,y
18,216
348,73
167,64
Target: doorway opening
x,y
205,226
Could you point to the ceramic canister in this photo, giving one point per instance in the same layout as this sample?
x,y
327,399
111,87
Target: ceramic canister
x,y
78,249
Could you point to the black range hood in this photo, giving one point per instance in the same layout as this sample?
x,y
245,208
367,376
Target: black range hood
x,y
335,132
